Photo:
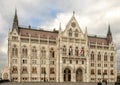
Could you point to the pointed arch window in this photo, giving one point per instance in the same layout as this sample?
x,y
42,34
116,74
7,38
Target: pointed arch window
x,y
70,32
24,70
99,72
76,51
92,55
24,51
111,57
76,33
34,52
92,71
52,53
14,69
34,70
64,50
43,55
99,56
14,51
105,57
70,51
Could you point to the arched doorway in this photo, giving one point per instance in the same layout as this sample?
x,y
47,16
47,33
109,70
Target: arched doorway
x,y
79,75
5,76
67,75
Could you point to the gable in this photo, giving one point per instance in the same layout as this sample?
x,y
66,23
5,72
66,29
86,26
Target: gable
x,y
72,26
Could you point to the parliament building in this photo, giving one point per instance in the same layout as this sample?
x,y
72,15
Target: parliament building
x,y
69,55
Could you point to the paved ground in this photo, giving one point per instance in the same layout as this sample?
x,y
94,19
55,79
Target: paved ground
x,y
14,83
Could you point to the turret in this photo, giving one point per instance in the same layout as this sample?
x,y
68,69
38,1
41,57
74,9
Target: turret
x,y
109,35
15,21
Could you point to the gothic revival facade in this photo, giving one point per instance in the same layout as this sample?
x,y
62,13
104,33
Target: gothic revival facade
x,y
71,55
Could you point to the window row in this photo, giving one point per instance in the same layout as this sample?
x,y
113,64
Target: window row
x,y
33,70
72,61
99,57
100,65
70,33
99,72
34,52
77,51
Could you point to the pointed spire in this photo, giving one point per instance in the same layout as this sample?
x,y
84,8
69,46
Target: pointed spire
x,y
15,21
109,31
16,17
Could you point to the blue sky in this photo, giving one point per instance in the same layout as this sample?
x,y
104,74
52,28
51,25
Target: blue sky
x,y
47,14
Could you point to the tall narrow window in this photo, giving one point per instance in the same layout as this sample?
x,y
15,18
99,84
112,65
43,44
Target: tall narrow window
x,y
52,70
14,51
24,51
92,72
52,54
70,51
70,32
24,70
99,72
34,70
76,33
99,56
64,50
105,57
34,52
43,55
76,51
111,57
43,71
92,55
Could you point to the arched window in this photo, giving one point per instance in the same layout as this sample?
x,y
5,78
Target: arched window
x,y
92,72
92,55
111,72
34,70
52,70
99,72
105,72
70,51
105,57
43,55
43,52
70,32
24,51
14,51
76,51
99,56
14,69
34,52
52,53
76,33
64,50
24,70
111,57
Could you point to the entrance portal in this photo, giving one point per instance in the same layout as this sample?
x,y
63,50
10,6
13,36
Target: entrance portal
x,y
67,75
79,75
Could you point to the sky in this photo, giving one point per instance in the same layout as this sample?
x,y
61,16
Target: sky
x,y
96,15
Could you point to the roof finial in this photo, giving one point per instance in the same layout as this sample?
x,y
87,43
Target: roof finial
x,y
73,13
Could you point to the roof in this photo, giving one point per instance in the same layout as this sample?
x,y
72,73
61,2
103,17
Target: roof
x,y
96,39
36,33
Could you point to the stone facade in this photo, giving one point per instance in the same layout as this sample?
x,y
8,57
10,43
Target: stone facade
x,y
59,56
